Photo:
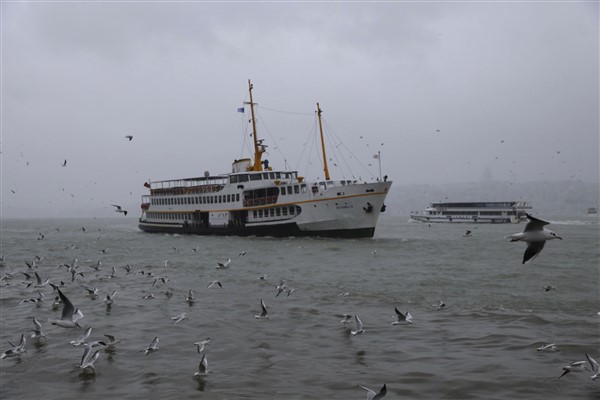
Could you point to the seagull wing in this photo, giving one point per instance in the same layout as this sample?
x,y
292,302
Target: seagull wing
x,y
401,317
264,308
359,324
535,224
370,393
533,249
68,309
593,364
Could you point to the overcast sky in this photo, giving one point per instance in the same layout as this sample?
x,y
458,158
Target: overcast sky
x,y
445,91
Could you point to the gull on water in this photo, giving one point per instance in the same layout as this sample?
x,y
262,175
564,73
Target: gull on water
x,y
441,305
548,288
88,359
576,366
37,332
69,315
178,318
371,395
263,313
548,347
224,265
535,235
109,298
347,318
16,351
190,297
92,292
153,347
595,368
200,345
111,341
359,327
400,318
203,367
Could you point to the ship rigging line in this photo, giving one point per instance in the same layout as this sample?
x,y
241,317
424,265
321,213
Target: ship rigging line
x,y
285,112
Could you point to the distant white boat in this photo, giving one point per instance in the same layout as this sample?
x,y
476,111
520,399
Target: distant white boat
x,y
491,212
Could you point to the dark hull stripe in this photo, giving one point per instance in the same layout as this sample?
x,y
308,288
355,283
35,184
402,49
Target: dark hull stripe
x,y
280,230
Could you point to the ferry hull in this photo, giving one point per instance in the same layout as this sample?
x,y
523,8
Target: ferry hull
x,y
279,230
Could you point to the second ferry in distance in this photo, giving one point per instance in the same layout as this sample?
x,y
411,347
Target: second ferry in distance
x,y
490,212
255,199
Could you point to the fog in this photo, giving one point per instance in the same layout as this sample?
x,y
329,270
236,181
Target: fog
x,y
445,92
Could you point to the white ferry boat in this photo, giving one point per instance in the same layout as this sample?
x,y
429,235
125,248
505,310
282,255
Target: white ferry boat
x,y
494,212
255,199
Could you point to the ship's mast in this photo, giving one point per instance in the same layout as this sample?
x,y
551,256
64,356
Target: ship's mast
x,y
258,149
325,169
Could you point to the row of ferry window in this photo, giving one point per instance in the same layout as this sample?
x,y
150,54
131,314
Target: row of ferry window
x,y
274,212
171,216
222,198
260,176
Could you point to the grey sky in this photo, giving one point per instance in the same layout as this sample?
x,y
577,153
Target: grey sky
x,y
450,89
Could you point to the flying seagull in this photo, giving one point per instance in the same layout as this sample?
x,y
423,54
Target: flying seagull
x,y
595,368
152,348
203,367
576,366
129,137
69,315
119,209
371,395
402,317
263,313
535,235
359,327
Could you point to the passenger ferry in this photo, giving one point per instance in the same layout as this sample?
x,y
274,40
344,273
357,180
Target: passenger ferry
x,y
494,212
255,199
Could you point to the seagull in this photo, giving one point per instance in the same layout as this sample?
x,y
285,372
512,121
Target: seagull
x,y
548,347
203,367
441,305
359,327
111,341
215,283
467,233
149,296
242,254
69,316
109,298
16,351
37,332
576,366
129,137
200,345
402,317
38,301
224,265
371,395
92,292
190,297
88,359
152,348
178,318
64,164
347,318
263,313
535,235
595,367
548,288
160,278
119,209
82,339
